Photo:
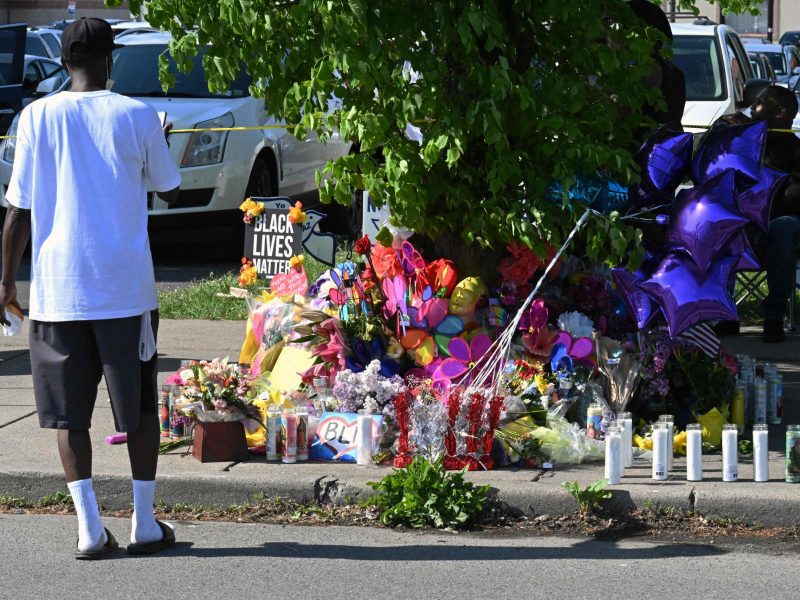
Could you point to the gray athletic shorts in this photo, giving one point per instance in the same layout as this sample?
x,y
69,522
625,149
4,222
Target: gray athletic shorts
x,y
68,359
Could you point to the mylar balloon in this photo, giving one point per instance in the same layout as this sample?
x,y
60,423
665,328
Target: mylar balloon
x,y
756,201
638,302
738,147
687,297
740,248
663,162
704,220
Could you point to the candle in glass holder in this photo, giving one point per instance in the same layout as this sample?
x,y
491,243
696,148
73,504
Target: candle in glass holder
x,y
761,452
670,421
660,443
626,419
614,458
694,452
730,458
364,448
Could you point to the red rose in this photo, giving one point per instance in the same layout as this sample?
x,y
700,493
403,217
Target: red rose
x,y
363,246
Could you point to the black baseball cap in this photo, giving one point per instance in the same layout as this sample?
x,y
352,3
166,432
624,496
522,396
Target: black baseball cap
x,y
87,38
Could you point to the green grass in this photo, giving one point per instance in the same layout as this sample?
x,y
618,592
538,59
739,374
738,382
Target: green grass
x,y
202,299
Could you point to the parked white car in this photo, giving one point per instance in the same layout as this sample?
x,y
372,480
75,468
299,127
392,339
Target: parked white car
x,y
218,169
716,69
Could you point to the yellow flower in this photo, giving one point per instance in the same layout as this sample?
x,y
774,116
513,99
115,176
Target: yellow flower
x,y
541,383
296,214
251,208
296,261
248,275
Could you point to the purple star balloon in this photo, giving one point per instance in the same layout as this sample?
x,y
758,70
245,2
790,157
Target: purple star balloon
x,y
756,201
738,147
740,248
639,304
704,219
687,297
663,161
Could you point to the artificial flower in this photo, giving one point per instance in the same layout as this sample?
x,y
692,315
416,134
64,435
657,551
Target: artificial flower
x,y
248,274
523,263
297,261
296,214
251,209
362,246
576,324
385,262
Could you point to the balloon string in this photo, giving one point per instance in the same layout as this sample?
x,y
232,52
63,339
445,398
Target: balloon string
x,y
498,352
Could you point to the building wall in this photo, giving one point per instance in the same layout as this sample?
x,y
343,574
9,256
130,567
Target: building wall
x,y
42,12
786,17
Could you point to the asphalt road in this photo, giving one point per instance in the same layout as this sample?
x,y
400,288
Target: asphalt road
x,y
246,561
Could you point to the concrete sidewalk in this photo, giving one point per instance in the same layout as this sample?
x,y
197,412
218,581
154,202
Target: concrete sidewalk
x,y
30,467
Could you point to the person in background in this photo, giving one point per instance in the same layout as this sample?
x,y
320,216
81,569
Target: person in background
x,y
85,159
778,250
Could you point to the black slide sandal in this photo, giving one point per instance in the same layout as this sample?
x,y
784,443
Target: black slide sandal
x,y
151,547
108,548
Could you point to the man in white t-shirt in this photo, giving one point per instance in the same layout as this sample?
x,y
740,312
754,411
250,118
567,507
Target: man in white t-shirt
x,y
84,162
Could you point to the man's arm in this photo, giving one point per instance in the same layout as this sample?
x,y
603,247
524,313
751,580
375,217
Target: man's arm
x,y
16,232
170,196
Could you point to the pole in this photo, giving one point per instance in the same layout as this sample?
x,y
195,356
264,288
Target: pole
x,y
671,11
770,17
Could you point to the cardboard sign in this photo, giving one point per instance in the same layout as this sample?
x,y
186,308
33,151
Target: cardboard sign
x,y
337,436
321,246
372,217
291,283
271,241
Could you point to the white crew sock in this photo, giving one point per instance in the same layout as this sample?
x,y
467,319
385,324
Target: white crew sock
x,y
91,533
144,528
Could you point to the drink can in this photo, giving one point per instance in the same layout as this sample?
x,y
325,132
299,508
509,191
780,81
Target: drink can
x,y
775,399
302,435
737,406
165,409
793,454
289,437
273,434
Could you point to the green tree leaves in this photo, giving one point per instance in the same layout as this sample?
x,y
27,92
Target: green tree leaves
x,y
508,96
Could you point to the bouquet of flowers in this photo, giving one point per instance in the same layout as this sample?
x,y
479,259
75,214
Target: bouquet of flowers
x,y
213,391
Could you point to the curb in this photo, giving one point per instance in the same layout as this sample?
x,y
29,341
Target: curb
x,y
114,493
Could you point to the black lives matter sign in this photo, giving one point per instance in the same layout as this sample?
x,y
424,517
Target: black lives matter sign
x,y
271,240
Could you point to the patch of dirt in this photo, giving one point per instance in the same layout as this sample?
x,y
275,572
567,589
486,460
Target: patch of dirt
x,y
653,523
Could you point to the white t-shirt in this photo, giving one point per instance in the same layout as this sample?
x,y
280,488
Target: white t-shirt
x,y
83,164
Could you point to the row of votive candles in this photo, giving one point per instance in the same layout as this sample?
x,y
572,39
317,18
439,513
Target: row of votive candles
x,y
619,450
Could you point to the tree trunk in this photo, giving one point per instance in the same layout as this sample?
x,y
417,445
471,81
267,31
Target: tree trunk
x,y
471,260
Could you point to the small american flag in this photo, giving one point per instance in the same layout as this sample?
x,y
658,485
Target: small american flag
x,y
703,337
